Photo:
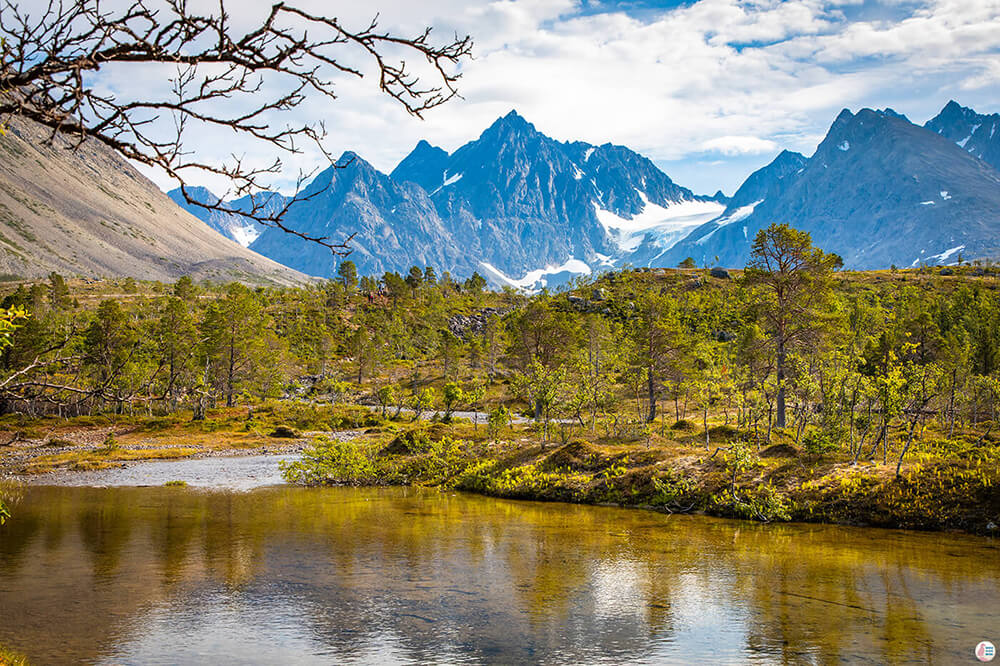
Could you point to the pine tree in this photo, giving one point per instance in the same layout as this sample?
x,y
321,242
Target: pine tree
x,y
792,279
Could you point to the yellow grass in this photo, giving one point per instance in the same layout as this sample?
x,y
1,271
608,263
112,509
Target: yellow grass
x,y
104,457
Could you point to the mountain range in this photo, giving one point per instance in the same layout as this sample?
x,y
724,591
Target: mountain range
x,y
879,191
517,206
526,210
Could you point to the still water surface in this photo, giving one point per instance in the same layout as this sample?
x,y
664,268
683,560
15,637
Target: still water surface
x,y
157,575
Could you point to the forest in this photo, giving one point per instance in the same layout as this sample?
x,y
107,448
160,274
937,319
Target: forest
x,y
772,393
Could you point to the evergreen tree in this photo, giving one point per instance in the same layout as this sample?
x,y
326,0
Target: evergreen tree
x,y
347,272
177,343
233,333
792,279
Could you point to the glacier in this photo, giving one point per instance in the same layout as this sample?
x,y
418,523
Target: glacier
x,y
668,224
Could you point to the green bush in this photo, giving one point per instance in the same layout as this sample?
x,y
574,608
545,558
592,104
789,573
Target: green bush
x,y
762,503
412,441
818,441
110,443
333,462
670,488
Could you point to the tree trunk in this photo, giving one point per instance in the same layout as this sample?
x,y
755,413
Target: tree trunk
x,y
770,424
651,388
802,424
230,378
885,444
951,405
704,421
780,416
909,440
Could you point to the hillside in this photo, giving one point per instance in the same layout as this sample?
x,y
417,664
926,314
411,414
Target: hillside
x,y
89,213
878,191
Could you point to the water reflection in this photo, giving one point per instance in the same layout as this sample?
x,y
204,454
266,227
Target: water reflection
x,y
172,575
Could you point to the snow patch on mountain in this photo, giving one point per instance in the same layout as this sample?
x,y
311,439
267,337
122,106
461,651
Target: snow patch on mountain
x,y
538,279
244,234
946,255
740,213
667,224
449,180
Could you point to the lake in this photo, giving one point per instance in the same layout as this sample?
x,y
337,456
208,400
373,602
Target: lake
x,y
280,574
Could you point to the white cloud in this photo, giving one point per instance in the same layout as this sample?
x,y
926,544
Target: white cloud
x,y
733,76
739,145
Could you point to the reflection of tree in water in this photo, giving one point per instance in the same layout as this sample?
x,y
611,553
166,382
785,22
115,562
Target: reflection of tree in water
x,y
105,531
433,574
172,533
815,594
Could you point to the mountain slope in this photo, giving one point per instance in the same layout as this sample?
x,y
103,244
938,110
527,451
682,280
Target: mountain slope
x,y
878,191
767,181
424,166
977,134
229,222
394,224
89,213
525,204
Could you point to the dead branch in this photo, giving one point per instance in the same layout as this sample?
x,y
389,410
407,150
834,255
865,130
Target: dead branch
x,y
241,82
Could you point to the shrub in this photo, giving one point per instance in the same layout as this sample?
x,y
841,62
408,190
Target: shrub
x,y
10,658
110,443
818,441
762,503
499,419
414,440
333,461
283,432
670,488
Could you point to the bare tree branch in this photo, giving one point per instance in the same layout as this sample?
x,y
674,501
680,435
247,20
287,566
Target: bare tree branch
x,y
50,53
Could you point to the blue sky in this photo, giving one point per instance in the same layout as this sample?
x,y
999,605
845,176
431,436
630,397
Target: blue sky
x,y
709,90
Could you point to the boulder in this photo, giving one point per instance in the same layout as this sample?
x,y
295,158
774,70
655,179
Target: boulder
x,y
720,273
